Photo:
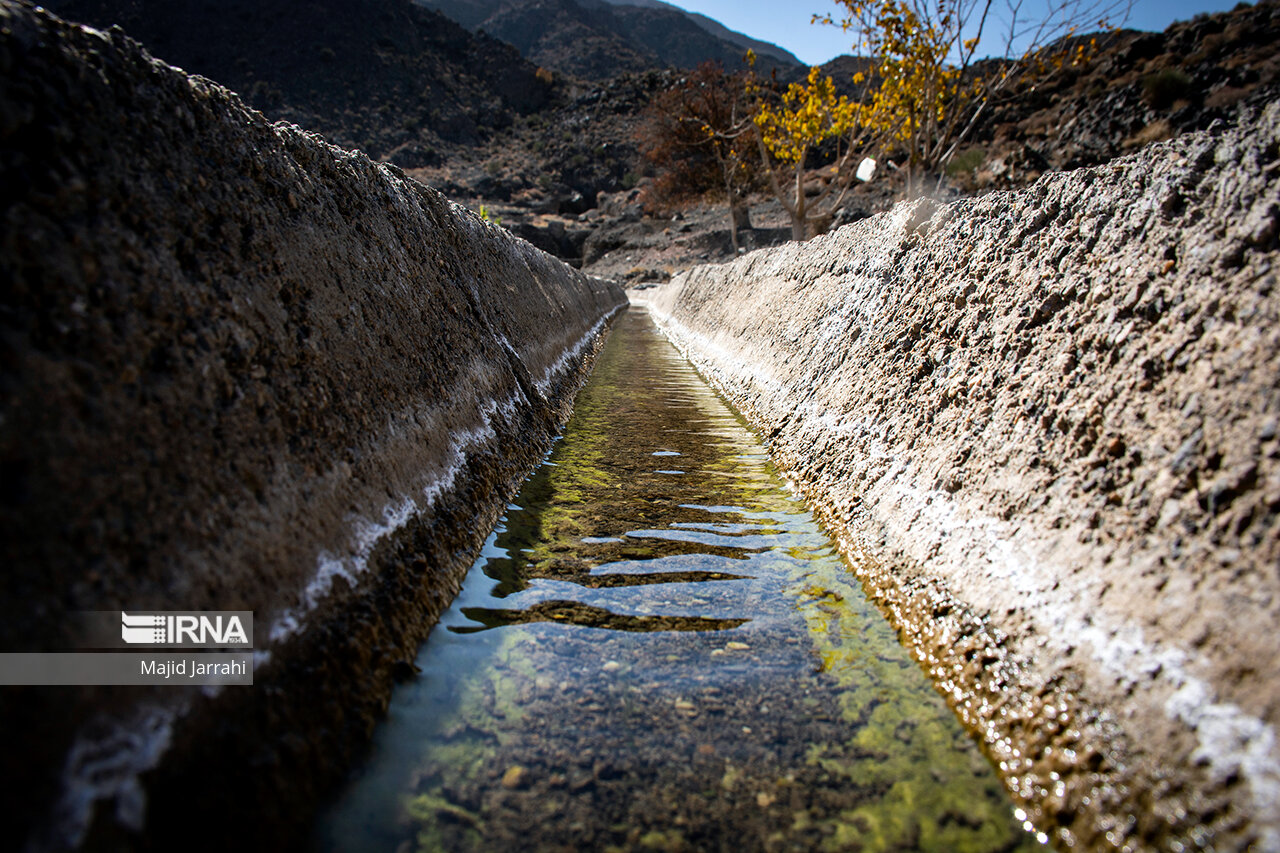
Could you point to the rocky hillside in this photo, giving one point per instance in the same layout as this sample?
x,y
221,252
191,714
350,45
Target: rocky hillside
x,y
598,40
389,77
1141,87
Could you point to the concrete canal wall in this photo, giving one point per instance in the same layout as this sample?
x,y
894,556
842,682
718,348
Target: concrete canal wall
x,y
242,370
1043,425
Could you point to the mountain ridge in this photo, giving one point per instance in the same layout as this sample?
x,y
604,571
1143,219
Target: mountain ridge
x,y
598,39
715,28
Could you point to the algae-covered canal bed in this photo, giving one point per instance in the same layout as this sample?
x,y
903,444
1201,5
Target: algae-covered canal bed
x,y
660,649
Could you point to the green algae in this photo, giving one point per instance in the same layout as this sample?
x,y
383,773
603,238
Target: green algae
x,y
902,740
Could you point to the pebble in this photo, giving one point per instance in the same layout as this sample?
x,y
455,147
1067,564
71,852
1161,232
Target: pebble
x,y
611,666
736,647
513,777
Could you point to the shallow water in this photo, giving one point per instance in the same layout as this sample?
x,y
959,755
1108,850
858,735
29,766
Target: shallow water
x,y
660,649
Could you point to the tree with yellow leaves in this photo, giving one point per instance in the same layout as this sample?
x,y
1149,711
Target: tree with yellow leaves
x,y
926,91
791,126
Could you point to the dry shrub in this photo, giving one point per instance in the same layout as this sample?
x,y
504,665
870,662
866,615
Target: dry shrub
x,y
1157,131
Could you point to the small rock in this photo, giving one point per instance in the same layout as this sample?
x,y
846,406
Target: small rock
x,y
514,777
736,646
611,666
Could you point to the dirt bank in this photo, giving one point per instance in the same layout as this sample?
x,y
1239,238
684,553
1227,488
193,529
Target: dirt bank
x,y
241,369
1044,426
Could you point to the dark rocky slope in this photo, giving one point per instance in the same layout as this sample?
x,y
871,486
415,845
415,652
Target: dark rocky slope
x,y
239,369
387,76
1044,424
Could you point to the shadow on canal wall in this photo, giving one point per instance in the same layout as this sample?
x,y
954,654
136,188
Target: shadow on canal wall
x,y
242,369
1044,426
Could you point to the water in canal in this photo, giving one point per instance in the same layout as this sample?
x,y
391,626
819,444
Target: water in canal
x,y
659,649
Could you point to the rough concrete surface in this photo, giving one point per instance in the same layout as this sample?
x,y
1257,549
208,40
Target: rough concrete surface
x,y
1043,426
239,369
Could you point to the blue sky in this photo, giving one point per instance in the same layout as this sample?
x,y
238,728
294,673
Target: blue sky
x,y
787,23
